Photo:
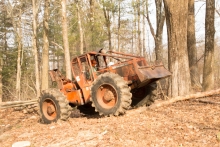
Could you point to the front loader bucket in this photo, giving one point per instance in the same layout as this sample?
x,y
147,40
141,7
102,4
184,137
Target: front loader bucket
x,y
149,74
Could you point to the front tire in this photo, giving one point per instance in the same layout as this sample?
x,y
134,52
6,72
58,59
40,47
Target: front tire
x,y
110,94
53,106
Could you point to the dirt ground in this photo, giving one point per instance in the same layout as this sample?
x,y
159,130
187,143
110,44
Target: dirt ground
x,y
183,124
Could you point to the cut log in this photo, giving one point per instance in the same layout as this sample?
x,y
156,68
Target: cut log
x,y
17,103
187,97
207,102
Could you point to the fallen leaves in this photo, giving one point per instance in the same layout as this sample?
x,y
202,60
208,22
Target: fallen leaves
x,y
187,123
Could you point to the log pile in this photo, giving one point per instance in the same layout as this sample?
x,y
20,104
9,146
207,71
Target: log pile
x,y
28,106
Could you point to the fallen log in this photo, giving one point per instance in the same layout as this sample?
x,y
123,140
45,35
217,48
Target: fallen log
x,y
187,97
17,103
207,102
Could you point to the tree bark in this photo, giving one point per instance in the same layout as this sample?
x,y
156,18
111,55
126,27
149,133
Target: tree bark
x,y
139,27
119,24
65,40
108,25
158,37
45,54
208,69
35,50
191,44
91,20
3,43
135,40
159,32
80,27
143,30
176,18
133,46
17,26
1,85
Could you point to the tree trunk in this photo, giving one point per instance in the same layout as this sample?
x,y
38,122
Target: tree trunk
x,y
35,50
159,32
91,20
1,85
139,27
208,69
119,24
176,18
17,26
108,25
4,45
144,27
18,77
65,40
45,56
135,41
133,37
80,27
158,37
191,44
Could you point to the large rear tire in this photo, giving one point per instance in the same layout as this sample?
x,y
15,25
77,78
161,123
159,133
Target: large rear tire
x,y
53,106
110,95
144,96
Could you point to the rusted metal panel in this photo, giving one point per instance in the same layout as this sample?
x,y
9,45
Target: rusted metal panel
x,y
75,97
155,72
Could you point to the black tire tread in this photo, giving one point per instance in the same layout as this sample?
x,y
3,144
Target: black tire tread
x,y
150,98
124,92
65,109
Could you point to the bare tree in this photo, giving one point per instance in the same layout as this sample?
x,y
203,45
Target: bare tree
x,y
107,7
45,53
159,32
191,44
176,19
208,69
35,50
143,30
3,42
17,23
19,42
139,26
158,36
65,40
80,26
91,21
119,23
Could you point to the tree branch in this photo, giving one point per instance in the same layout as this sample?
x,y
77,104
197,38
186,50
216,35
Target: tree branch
x,y
150,25
217,12
57,45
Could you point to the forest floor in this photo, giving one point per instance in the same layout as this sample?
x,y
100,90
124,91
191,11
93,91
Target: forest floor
x,y
181,124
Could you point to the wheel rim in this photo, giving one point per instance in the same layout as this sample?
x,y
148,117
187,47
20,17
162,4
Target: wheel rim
x,y
49,109
107,96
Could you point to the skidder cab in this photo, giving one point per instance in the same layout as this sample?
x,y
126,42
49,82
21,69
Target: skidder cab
x,y
110,81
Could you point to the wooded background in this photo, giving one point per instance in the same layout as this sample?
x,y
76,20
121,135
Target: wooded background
x,y
40,35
